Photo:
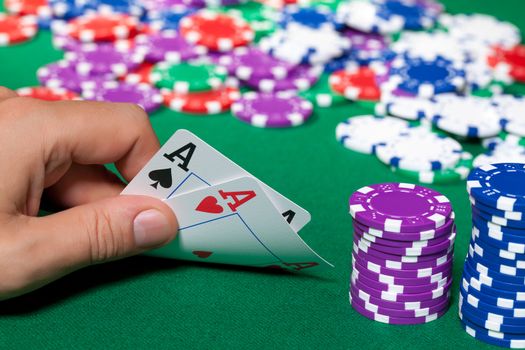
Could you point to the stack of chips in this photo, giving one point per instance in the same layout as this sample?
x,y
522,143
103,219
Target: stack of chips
x,y
402,254
492,293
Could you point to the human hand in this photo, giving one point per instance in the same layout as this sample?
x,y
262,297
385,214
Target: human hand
x,y
56,150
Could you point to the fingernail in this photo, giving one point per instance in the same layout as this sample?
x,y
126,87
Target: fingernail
x,y
151,229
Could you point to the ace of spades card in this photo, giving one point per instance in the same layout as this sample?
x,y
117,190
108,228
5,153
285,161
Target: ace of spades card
x,y
261,232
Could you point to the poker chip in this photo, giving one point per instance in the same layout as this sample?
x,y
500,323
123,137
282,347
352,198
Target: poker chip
x,y
418,149
366,16
430,46
250,63
142,74
100,27
143,95
262,19
205,102
356,83
415,15
481,28
508,62
368,47
517,155
275,110
511,109
167,18
47,93
426,78
131,7
299,78
468,116
218,32
39,8
492,337
96,59
63,74
187,77
364,133
409,108
400,207
313,17
16,29
168,46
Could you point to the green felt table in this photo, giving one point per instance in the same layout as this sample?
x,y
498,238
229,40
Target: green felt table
x,y
146,302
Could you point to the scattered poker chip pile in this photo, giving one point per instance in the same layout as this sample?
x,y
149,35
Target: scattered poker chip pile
x,y
402,254
492,291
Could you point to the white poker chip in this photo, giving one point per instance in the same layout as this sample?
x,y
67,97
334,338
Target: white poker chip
x,y
508,155
363,15
467,116
480,27
409,108
364,133
429,46
419,149
512,111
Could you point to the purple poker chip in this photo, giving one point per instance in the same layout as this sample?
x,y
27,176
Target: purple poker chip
x,y
400,289
443,269
400,281
412,251
274,110
400,297
159,5
369,47
370,250
362,231
446,229
144,95
96,59
400,207
400,265
299,78
250,63
167,45
397,305
62,74
383,309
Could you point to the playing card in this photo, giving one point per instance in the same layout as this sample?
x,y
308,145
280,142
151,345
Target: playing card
x,y
235,223
186,163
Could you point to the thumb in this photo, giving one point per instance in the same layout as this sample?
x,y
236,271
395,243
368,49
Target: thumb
x,y
101,231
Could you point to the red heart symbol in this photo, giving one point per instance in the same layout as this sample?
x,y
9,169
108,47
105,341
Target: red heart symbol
x,y
202,254
209,205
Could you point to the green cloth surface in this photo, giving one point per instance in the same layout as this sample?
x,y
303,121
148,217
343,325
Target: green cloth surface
x,y
145,302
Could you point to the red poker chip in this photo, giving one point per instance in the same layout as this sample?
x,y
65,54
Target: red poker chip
x,y
16,29
48,94
28,7
509,61
101,27
206,102
140,75
217,32
357,83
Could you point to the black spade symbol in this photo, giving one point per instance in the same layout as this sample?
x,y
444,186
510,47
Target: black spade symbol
x,y
161,177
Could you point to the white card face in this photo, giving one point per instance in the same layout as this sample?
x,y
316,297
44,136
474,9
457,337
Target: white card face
x,y
236,223
186,163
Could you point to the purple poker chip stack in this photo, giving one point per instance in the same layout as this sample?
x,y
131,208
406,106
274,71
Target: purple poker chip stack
x,y
402,253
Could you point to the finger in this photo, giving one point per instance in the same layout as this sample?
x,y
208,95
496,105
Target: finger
x,y
49,247
83,184
6,93
101,133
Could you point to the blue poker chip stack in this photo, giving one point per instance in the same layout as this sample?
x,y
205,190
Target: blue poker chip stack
x,y
492,291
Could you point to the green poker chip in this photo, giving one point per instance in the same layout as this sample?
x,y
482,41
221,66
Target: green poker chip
x,y
261,18
188,77
445,176
321,95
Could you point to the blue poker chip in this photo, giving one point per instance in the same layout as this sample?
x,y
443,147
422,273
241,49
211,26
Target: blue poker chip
x,y
415,15
517,248
509,215
515,316
348,59
487,298
313,17
66,9
506,257
168,19
490,320
499,186
426,78
501,233
498,219
495,264
514,281
507,340
492,282
130,7
484,288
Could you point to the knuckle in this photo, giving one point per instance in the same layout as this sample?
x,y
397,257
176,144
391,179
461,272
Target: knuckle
x,y
105,238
